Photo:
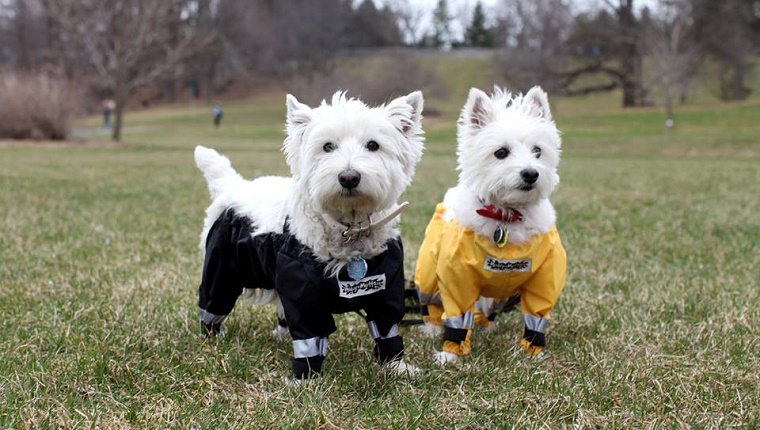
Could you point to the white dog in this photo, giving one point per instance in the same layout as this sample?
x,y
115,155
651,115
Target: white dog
x,y
494,235
323,241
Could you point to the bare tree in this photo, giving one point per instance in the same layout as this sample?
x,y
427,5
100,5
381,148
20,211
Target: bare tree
x,y
605,46
533,36
628,52
674,52
129,43
409,16
25,33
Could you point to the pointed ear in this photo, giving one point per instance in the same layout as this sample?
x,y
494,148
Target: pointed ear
x,y
298,114
406,113
478,110
298,117
537,103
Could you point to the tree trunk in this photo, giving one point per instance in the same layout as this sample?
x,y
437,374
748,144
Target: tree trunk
x,y
669,120
120,98
738,81
630,63
684,91
23,45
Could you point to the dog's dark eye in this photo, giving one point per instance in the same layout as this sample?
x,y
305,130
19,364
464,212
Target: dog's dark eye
x,y
328,147
536,151
372,146
501,153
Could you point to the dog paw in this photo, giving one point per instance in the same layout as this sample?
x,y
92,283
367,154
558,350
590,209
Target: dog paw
x,y
296,382
430,330
212,330
490,328
444,358
531,350
280,333
402,368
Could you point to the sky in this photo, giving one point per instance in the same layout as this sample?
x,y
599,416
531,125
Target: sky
x,y
462,9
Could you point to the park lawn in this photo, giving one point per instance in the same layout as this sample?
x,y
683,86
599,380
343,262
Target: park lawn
x,y
658,326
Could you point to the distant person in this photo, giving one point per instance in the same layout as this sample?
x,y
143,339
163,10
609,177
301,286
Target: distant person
x,y
218,115
108,107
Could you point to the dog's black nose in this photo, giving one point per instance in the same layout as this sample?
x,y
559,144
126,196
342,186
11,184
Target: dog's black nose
x,y
349,178
530,176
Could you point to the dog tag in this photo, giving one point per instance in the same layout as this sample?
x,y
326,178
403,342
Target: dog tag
x,y
357,268
500,236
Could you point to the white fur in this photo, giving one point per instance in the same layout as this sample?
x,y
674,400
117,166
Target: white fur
x,y
444,358
518,123
402,368
486,124
318,205
312,198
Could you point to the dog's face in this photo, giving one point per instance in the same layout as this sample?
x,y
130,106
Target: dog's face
x,y
350,158
508,147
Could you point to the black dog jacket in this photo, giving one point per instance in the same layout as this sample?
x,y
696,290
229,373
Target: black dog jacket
x,y
236,260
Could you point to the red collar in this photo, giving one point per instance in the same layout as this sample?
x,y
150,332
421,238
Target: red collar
x,y
508,215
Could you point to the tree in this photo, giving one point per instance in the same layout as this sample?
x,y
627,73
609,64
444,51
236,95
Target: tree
x,y
725,31
409,19
628,53
128,44
440,36
477,33
24,36
604,49
305,42
373,27
533,36
672,48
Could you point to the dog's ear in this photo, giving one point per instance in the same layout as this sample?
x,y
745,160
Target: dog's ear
x,y
537,103
408,121
477,111
406,115
298,113
298,116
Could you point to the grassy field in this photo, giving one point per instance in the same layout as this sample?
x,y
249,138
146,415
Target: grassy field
x,y
658,327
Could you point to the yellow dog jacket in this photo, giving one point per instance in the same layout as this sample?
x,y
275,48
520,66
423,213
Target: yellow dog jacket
x,y
459,265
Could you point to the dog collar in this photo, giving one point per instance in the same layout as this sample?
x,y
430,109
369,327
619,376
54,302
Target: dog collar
x,y
499,214
354,231
504,216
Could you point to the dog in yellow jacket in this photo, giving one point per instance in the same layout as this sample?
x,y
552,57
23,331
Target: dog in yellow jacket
x,y
494,236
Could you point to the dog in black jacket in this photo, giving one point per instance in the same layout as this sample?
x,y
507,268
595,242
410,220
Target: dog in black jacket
x,y
323,241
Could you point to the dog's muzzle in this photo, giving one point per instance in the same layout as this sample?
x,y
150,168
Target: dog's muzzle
x,y
349,179
529,178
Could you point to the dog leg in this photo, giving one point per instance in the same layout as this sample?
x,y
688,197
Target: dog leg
x,y
281,332
389,350
402,368
444,358
430,330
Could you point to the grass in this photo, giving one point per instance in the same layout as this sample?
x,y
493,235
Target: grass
x,y
657,327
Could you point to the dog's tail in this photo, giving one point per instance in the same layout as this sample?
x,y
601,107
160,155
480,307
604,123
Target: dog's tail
x,y
216,168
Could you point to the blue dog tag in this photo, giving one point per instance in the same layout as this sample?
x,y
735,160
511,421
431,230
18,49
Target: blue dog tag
x,y
357,268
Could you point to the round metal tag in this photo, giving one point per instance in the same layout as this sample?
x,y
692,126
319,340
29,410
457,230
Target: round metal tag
x,y
500,237
357,268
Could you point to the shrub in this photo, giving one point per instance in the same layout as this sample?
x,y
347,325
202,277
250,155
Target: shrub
x,y
36,107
